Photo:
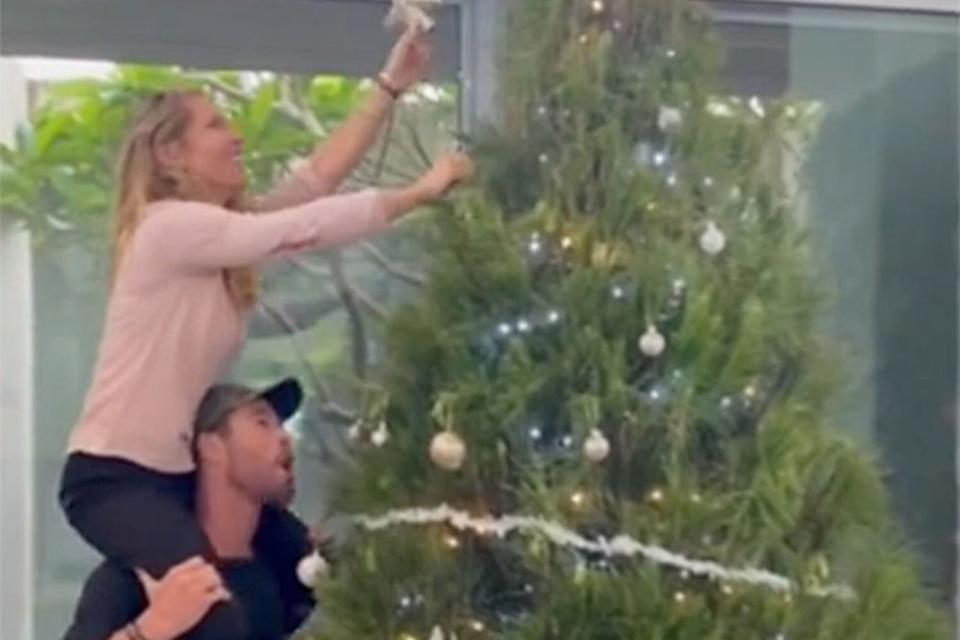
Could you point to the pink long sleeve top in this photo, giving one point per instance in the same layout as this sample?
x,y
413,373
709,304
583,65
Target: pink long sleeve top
x,y
171,328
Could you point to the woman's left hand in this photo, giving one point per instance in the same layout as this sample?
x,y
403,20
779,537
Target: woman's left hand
x,y
409,60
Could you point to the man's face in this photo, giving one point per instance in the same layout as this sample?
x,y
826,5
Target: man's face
x,y
259,457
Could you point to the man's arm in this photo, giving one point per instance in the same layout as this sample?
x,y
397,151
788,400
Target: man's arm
x,y
113,598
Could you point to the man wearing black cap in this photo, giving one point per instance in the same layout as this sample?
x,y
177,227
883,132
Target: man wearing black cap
x,y
244,473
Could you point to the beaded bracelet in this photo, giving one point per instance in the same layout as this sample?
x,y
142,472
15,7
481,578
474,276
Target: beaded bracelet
x,y
384,84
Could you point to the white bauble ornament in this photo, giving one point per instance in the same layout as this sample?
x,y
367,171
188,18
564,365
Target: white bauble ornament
x,y
652,343
381,435
596,447
312,568
713,241
669,118
447,450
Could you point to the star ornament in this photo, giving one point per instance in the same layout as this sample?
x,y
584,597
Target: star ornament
x,y
415,14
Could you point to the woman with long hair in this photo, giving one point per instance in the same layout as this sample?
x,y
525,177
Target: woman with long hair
x,y
187,243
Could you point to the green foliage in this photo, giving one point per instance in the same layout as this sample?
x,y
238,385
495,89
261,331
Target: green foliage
x,y
56,178
577,239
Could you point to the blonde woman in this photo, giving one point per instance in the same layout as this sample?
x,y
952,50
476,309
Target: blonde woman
x,y
185,254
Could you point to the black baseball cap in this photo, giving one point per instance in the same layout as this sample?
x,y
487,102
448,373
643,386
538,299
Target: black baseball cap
x,y
221,400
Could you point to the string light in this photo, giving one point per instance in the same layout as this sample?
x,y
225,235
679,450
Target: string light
x,y
566,242
680,597
578,499
527,325
597,6
617,292
544,158
656,495
451,541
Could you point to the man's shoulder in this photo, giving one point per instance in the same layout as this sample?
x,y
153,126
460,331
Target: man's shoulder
x,y
111,597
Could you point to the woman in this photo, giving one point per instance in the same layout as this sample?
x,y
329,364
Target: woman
x,y
183,283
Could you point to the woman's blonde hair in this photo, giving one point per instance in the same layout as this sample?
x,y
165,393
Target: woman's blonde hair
x,y
141,179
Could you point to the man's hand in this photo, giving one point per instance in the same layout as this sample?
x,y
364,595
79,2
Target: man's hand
x,y
179,600
319,538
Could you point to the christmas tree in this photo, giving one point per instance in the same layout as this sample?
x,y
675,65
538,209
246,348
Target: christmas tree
x,y
606,415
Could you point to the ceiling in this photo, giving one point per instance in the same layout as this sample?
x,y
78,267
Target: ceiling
x,y
347,36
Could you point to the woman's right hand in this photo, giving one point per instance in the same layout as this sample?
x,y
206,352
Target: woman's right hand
x,y
179,600
451,169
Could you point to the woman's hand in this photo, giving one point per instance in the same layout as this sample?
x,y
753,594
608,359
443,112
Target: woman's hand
x,y
451,169
179,600
409,60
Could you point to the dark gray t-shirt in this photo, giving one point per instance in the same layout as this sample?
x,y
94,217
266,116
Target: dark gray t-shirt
x,y
112,597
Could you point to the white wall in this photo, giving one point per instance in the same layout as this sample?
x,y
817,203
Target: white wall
x,y
16,395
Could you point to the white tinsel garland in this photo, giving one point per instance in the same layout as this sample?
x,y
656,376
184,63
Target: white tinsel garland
x,y
622,545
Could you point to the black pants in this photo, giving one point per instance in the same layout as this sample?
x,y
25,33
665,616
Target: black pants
x,y
145,519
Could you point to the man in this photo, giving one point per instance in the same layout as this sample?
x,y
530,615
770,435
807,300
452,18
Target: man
x,y
244,465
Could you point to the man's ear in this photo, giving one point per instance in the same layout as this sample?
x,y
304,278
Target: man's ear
x,y
210,447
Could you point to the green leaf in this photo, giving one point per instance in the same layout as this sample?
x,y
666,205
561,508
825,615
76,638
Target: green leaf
x,y
260,109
